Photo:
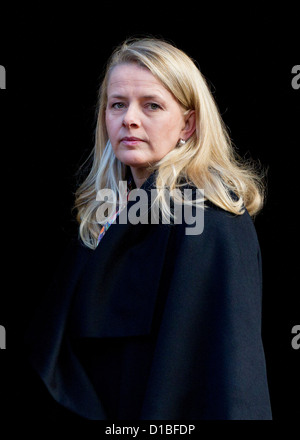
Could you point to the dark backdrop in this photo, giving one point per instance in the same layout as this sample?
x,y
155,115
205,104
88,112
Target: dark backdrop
x,y
54,62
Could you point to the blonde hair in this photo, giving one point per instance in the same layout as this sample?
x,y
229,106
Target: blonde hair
x,y
207,160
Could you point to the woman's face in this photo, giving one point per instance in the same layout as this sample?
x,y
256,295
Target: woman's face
x,y
143,119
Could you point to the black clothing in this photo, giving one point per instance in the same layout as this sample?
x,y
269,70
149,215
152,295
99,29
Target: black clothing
x,y
155,324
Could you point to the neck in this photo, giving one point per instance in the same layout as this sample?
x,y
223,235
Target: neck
x,y
140,175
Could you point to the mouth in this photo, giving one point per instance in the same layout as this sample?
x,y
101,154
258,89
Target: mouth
x,y
131,140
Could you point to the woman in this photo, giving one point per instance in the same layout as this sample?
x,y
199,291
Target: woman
x,y
148,319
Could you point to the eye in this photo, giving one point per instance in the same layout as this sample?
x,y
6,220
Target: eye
x,y
118,105
153,106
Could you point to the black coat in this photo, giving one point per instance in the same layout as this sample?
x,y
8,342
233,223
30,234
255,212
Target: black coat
x,y
157,325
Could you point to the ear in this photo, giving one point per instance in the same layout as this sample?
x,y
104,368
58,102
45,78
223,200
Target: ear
x,y
190,125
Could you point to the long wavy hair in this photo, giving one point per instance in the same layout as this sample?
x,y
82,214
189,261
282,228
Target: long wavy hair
x,y
208,160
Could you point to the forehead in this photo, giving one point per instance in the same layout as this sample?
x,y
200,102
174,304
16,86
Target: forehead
x,y
132,77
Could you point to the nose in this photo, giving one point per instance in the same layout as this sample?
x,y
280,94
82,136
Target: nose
x,y
131,117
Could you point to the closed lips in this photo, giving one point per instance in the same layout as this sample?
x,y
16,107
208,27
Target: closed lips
x,y
131,139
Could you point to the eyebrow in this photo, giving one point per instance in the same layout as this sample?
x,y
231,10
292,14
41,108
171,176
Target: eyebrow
x,y
154,97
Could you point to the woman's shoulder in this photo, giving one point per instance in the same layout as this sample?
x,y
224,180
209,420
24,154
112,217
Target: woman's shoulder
x,y
215,225
219,218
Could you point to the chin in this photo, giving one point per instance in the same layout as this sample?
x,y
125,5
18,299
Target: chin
x,y
132,159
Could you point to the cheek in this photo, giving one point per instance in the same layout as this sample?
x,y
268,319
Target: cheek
x,y
171,132
165,129
108,124
112,123
174,123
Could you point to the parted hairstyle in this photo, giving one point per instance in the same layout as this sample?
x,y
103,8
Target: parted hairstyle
x,y
208,160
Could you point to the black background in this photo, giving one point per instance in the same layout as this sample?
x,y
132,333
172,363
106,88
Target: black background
x,y
54,62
